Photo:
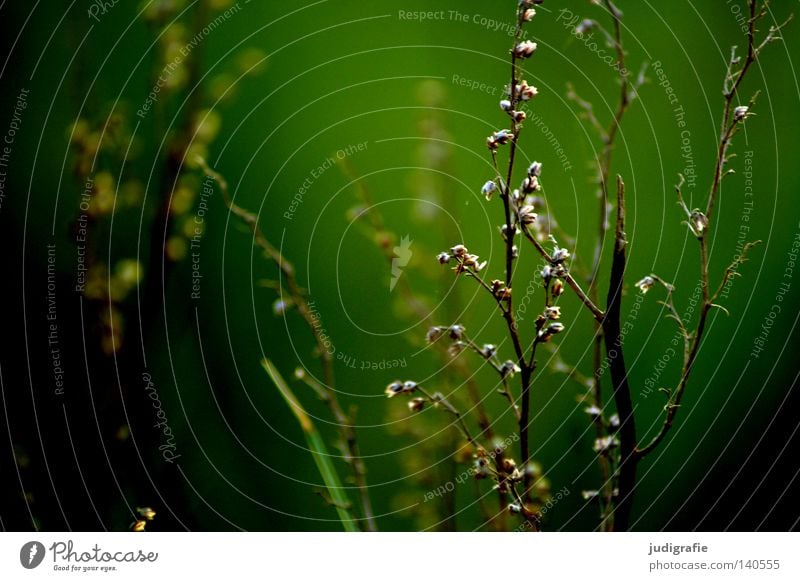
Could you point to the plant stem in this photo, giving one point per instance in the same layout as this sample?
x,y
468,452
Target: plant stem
x,y
609,137
729,126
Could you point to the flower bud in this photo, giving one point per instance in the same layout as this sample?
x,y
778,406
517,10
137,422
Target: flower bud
x,y
547,333
146,512
553,313
590,494
456,332
509,368
645,284
527,215
416,404
433,334
559,255
459,250
509,465
488,350
488,189
398,387
605,444
585,26
525,91
499,138
481,469
531,184
594,411
699,222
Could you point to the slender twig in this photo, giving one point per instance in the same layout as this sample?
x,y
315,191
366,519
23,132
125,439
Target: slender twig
x,y
608,137
669,304
733,80
692,344
438,399
597,313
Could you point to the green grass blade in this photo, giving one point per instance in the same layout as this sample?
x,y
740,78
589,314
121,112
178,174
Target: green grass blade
x,y
317,446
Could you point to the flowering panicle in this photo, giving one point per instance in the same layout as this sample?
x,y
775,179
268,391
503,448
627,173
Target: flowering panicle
x,y
520,215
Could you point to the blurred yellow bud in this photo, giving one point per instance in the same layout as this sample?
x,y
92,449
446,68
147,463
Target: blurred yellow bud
x,y
176,248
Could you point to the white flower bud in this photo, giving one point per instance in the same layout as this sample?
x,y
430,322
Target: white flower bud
x,y
488,189
645,284
525,49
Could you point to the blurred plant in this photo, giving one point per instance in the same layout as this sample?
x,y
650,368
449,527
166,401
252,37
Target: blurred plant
x,y
616,442
292,296
106,147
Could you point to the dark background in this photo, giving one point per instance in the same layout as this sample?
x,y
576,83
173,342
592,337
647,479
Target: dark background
x,y
339,73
